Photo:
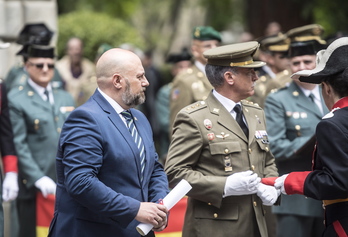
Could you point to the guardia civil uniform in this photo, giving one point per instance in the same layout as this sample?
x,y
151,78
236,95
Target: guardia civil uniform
x,y
36,125
208,145
291,119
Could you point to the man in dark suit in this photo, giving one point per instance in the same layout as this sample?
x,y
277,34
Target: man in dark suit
x,y
109,180
37,112
223,152
328,179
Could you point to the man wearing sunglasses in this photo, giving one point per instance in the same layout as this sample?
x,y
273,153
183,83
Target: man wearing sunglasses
x,y
38,111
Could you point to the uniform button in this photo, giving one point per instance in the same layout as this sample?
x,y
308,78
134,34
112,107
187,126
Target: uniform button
x,y
252,167
215,215
255,204
209,203
267,149
56,118
24,181
59,130
226,151
249,150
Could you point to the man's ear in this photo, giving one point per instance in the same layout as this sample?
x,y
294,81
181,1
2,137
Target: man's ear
x,y
229,77
327,88
116,81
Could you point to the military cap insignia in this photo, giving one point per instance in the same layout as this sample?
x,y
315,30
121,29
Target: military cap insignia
x,y
208,124
197,32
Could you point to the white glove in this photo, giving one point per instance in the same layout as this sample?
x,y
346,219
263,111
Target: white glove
x,y
241,183
279,183
10,186
46,186
268,194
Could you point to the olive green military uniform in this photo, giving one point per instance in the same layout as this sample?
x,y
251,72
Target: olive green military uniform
x,y
187,88
36,127
216,147
266,84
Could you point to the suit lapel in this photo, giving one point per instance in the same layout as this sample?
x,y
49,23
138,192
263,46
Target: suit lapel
x,y
120,126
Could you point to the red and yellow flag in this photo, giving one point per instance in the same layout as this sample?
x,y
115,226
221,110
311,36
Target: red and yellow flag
x,y
44,213
176,220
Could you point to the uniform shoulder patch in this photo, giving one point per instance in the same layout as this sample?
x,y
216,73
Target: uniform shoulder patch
x,y
195,107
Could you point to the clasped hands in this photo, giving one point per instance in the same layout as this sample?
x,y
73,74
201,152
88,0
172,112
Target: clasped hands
x,y
246,183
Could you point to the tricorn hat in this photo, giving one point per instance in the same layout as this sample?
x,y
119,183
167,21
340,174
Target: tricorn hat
x,y
35,33
40,51
234,55
184,55
330,61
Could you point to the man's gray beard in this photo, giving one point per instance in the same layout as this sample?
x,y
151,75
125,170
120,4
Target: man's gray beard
x,y
132,100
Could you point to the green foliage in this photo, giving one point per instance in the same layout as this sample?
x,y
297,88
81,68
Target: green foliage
x,y
95,29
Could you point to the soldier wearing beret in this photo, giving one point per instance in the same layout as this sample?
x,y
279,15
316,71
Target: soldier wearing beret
x,y
328,179
273,50
37,34
193,85
37,112
292,113
220,146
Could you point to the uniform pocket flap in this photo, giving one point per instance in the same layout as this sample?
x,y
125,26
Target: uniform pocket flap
x,y
211,212
224,147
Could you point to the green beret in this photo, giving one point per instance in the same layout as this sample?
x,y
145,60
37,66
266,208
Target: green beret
x,y
234,55
203,33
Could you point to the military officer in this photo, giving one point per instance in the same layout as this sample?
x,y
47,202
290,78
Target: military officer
x,y
273,50
32,33
193,85
292,114
220,146
37,113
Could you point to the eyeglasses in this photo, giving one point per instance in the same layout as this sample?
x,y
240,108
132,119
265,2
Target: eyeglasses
x,y
41,65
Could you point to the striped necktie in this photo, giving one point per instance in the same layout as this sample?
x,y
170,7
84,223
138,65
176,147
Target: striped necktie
x,y
137,138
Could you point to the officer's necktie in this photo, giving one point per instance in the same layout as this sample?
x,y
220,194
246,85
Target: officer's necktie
x,y
312,98
47,96
137,139
239,119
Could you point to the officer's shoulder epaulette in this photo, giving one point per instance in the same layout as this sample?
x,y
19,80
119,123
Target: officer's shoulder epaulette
x,y
250,104
278,89
195,107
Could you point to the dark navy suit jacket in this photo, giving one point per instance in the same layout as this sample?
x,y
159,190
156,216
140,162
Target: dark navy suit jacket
x,y
98,167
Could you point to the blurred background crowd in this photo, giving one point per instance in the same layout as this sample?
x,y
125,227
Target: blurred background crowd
x,y
164,35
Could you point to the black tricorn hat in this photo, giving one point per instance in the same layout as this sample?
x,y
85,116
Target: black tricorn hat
x,y
184,55
40,51
35,33
330,61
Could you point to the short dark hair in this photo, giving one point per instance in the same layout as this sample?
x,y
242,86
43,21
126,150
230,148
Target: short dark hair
x,y
215,74
339,83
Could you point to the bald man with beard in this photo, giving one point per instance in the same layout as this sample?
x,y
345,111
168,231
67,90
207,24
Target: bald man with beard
x,y
109,181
